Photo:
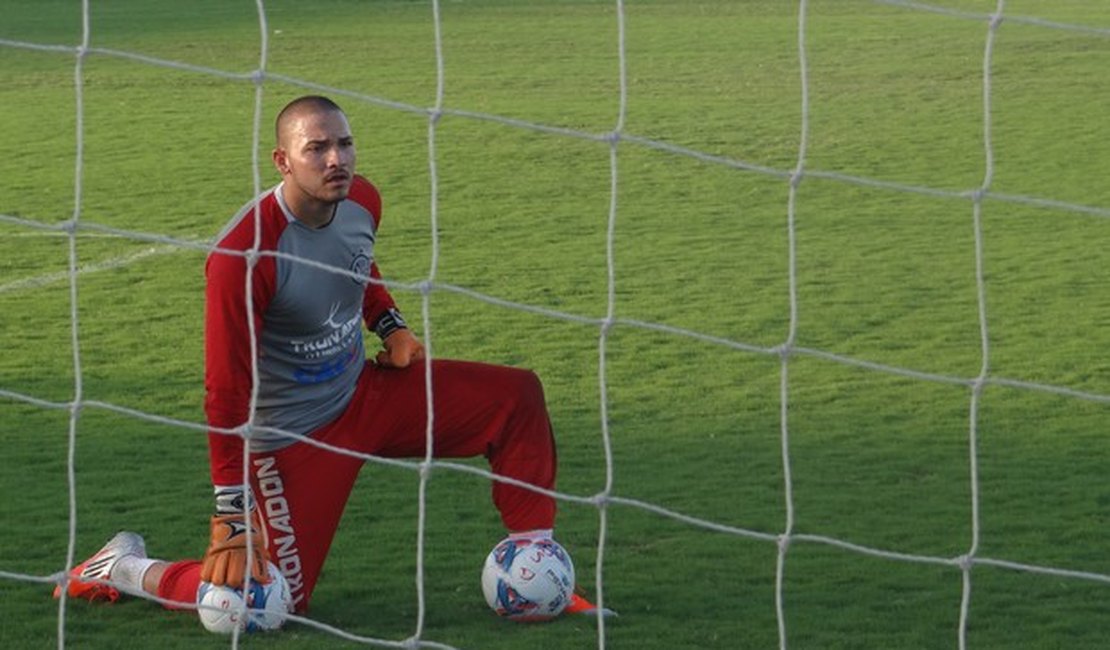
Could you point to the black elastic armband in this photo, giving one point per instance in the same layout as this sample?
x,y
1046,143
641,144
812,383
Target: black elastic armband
x,y
390,322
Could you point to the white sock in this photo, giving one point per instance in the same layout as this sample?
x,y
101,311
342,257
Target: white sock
x,y
130,570
533,535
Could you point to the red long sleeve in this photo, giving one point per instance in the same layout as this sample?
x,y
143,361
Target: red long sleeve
x,y
228,377
377,299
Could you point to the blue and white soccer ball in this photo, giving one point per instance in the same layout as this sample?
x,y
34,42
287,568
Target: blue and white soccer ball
x,y
528,580
221,608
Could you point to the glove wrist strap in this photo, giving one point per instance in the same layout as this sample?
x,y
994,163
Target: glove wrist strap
x,y
232,500
388,323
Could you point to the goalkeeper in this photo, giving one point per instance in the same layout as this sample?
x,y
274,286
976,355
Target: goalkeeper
x,y
314,380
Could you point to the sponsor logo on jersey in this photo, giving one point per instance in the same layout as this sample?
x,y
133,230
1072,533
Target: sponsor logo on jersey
x,y
329,370
340,340
330,320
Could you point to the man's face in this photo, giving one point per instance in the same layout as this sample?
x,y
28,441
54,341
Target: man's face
x,y
317,154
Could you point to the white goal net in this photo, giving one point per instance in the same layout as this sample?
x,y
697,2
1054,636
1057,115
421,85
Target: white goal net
x,y
620,144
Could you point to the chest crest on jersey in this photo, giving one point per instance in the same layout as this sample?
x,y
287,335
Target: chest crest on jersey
x,y
360,265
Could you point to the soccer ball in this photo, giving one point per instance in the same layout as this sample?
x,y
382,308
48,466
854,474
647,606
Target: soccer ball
x,y
220,607
525,580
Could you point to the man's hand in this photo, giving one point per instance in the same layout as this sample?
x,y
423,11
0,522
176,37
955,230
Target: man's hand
x,y
401,349
225,560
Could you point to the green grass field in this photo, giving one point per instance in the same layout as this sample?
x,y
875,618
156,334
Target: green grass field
x,y
883,276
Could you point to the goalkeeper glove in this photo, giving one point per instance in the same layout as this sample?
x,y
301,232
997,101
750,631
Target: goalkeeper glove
x,y
225,561
401,350
401,347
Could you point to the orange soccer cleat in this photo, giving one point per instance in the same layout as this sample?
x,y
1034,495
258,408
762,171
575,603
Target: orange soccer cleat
x,y
99,567
579,605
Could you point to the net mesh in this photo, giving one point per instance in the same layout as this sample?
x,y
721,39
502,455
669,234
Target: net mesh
x,y
616,140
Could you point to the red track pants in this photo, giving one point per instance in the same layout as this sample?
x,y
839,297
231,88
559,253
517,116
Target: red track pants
x,y
494,411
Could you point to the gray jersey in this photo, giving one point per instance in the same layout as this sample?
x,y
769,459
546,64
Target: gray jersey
x,y
311,293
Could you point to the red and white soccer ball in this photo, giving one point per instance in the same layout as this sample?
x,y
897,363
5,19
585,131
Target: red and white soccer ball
x,y
221,608
527,580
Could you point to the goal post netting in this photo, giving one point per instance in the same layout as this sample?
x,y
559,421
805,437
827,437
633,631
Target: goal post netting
x,y
813,287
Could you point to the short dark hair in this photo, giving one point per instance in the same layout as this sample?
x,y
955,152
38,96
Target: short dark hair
x,y
314,102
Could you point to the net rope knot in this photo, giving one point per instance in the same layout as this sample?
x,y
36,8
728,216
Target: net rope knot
x,y
244,431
